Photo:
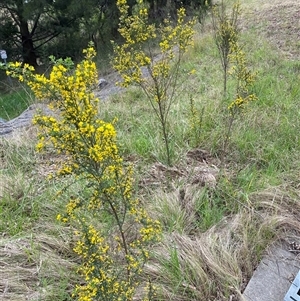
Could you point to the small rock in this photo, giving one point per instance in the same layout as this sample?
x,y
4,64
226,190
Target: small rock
x,y
102,83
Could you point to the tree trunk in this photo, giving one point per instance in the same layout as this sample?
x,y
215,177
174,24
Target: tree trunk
x,y
28,51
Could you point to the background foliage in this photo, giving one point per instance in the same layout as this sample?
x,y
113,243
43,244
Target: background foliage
x,y
32,30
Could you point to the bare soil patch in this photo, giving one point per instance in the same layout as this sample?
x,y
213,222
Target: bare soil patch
x,y
279,22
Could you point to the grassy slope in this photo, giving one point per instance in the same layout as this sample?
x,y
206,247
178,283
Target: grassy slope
x,y
14,103
212,238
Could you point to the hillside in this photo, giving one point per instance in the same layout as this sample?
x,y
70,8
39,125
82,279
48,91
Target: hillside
x,y
221,203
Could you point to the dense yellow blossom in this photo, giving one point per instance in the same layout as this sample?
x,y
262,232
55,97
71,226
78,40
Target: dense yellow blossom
x,y
90,147
110,268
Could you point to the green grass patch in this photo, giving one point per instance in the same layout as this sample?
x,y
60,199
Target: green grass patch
x,y
14,103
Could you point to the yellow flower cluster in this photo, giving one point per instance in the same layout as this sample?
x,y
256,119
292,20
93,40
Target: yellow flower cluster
x,y
134,28
103,265
22,72
243,75
131,56
151,229
110,267
240,102
134,57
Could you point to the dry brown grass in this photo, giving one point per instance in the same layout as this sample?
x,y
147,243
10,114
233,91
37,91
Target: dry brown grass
x,y
217,264
278,22
35,253
35,268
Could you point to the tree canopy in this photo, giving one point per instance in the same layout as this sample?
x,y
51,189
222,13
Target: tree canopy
x,y
32,29
27,25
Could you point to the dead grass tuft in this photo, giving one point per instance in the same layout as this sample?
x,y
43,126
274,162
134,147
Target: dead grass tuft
x,y
219,262
194,169
31,267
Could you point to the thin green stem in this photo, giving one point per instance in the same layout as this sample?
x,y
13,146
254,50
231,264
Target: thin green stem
x,y
227,137
120,227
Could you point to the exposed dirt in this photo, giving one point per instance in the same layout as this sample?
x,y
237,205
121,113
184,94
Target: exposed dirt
x,y
279,22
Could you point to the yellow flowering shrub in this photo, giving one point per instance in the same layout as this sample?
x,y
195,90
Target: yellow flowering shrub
x,y
112,256
233,61
226,32
137,65
244,79
233,58
243,76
